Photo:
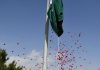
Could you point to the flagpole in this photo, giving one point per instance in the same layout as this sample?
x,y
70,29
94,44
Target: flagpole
x,y
46,39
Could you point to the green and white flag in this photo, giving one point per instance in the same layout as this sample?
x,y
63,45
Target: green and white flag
x,y
55,15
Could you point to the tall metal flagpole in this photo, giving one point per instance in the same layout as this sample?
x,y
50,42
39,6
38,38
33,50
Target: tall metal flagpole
x,y
46,39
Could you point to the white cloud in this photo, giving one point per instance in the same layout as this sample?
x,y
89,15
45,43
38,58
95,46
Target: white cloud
x,y
32,60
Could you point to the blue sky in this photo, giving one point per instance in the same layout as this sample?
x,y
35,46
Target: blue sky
x,y
23,21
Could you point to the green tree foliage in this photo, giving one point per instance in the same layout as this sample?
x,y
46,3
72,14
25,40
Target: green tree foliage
x,y
3,59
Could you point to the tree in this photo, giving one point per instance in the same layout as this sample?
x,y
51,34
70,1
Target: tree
x,y
12,66
3,59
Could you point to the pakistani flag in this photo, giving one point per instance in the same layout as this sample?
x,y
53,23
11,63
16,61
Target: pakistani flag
x,y
55,15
